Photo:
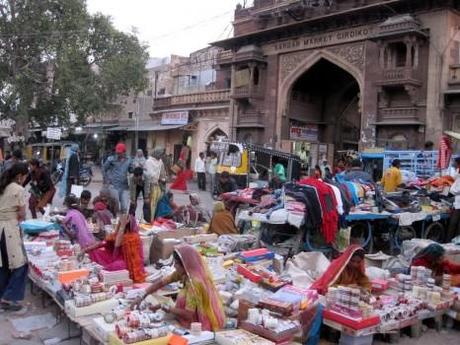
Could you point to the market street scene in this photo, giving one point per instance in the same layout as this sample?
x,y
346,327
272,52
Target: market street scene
x,y
231,172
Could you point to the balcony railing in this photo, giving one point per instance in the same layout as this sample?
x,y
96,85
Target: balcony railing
x,y
225,57
247,92
251,120
216,96
399,114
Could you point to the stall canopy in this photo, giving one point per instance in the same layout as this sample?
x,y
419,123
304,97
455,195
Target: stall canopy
x,y
145,127
454,135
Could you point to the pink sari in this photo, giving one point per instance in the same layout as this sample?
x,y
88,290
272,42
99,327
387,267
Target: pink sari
x,y
199,294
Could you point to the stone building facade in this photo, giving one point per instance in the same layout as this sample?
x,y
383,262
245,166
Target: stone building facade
x,y
343,75
184,102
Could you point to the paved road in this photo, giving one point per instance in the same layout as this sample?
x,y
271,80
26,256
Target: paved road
x,y
179,198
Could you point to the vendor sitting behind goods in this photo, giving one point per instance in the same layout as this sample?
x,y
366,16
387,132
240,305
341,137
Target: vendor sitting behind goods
x,y
347,270
198,301
226,184
222,221
432,257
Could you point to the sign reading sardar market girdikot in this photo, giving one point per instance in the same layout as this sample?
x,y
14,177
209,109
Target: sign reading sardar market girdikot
x,y
326,39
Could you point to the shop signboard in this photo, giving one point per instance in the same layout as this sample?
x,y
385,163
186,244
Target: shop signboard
x,y
53,133
175,118
305,133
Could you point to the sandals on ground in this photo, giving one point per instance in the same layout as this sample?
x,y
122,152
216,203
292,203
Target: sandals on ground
x,y
10,306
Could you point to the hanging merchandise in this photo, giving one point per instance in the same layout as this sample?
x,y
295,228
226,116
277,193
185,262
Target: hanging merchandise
x,y
189,141
328,206
445,152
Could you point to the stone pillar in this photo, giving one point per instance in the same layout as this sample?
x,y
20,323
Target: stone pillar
x,y
408,53
233,107
382,50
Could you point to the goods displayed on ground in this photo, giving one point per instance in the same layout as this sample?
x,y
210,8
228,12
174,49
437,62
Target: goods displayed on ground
x,y
261,288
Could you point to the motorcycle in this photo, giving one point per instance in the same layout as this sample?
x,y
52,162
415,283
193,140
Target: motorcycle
x,y
86,174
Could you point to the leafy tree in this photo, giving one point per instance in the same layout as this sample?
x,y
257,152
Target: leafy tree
x,y
56,60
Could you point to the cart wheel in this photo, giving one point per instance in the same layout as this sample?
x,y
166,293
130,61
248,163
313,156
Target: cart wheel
x,y
360,234
315,241
434,232
404,233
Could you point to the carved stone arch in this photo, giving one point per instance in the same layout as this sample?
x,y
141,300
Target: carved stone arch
x,y
214,129
300,64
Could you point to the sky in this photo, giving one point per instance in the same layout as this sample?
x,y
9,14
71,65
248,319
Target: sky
x,y
171,26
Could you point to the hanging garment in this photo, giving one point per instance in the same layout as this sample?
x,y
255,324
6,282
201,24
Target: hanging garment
x,y
329,207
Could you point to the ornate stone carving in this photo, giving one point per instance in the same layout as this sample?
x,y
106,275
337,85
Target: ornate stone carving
x,y
353,54
288,62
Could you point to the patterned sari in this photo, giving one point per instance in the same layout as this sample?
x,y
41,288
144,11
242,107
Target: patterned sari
x,y
199,294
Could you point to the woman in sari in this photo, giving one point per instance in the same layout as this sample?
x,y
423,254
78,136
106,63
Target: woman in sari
x,y
198,301
125,244
347,270
166,206
222,221
433,257
182,175
121,250
13,260
193,213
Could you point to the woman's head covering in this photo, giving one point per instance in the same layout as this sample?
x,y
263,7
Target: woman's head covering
x,y
157,152
219,206
100,206
431,253
336,268
208,301
194,199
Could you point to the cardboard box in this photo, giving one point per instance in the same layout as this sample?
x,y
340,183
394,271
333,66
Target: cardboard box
x,y
163,243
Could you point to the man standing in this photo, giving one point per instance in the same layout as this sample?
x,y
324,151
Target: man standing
x,y
357,173
212,170
200,169
41,187
115,172
138,183
454,222
15,158
155,171
392,178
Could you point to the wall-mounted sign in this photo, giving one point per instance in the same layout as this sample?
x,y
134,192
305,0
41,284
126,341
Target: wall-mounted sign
x,y
53,133
305,133
175,118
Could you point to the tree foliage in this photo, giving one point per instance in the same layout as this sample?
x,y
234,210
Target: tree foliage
x,y
56,59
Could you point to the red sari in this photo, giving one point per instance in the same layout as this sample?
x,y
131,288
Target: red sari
x,y
180,183
338,272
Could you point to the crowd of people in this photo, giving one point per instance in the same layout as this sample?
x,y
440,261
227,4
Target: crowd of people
x,y
125,179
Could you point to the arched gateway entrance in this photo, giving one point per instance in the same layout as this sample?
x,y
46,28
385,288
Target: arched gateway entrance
x,y
322,103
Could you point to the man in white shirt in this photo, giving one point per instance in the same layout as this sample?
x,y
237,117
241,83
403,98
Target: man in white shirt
x,y
212,170
200,170
454,222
